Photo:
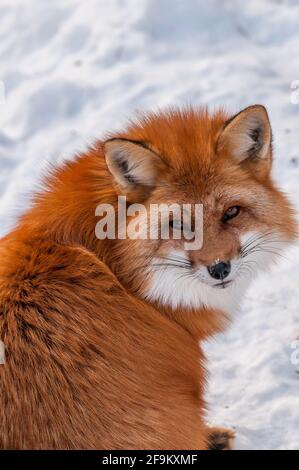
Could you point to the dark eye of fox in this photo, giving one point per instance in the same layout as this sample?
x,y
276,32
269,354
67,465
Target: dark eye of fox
x,y
231,213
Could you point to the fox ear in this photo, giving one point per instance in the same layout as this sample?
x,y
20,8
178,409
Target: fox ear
x,y
131,163
247,137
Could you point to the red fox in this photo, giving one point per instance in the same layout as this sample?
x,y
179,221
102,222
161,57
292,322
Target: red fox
x,y
103,336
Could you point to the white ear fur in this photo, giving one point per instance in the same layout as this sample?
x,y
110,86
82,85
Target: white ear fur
x,y
131,163
248,135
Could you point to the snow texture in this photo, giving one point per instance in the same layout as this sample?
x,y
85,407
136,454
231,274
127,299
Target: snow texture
x,y
72,70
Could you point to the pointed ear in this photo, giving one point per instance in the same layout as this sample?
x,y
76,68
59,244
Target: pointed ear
x,y
247,137
132,164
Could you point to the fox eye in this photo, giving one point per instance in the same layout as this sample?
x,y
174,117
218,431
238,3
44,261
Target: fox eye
x,y
231,213
176,225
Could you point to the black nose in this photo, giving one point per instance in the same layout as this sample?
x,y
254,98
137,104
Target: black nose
x,y
219,270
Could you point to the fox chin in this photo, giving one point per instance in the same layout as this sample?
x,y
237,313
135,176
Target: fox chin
x,y
103,335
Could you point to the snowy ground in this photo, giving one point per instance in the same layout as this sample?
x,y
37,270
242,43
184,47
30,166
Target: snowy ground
x,y
74,69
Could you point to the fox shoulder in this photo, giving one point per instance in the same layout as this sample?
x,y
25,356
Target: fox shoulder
x,y
41,282
53,331
71,334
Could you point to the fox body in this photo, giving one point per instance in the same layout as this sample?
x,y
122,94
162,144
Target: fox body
x,y
102,337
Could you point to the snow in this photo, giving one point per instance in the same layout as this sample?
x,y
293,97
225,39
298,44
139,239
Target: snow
x,y
72,70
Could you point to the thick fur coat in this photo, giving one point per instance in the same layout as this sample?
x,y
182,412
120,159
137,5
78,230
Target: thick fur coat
x,y
100,352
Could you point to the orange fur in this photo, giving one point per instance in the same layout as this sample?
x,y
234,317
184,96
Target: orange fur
x,y
89,363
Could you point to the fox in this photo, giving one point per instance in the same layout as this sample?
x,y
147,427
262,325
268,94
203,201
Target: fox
x,y
103,337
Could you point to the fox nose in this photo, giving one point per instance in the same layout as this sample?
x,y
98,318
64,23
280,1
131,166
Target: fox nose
x,y
219,270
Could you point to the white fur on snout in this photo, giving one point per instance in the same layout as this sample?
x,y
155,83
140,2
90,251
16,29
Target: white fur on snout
x,y
176,286
181,287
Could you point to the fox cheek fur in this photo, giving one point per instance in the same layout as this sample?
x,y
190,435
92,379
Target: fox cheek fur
x,y
101,336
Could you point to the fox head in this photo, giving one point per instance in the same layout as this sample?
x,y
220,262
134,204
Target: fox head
x,y
222,163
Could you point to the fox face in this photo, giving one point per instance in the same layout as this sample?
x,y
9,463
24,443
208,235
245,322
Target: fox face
x,y
221,163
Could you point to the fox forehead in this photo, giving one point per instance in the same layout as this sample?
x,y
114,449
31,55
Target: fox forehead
x,y
180,136
213,190
195,156
186,141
